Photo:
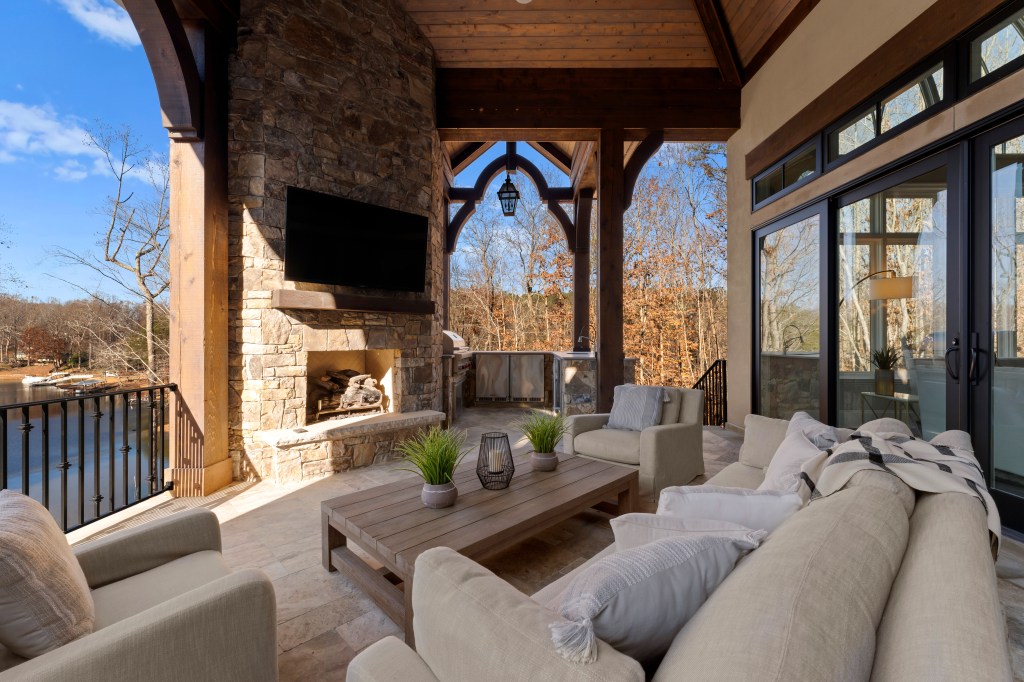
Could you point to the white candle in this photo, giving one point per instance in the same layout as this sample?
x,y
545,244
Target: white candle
x,y
494,461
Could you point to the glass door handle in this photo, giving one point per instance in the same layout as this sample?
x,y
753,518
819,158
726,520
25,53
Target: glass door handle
x,y
972,372
954,348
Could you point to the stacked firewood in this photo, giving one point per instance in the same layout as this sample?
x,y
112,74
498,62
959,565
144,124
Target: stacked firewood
x,y
347,391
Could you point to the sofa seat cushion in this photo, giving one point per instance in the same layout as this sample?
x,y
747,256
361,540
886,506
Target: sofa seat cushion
x,y
738,475
943,620
125,598
805,606
44,597
612,445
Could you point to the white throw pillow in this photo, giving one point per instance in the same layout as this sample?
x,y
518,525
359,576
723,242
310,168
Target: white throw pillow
x,y
760,509
45,600
638,600
783,473
821,435
636,530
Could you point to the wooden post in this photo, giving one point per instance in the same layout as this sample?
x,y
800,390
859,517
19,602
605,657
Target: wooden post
x,y
581,272
200,463
611,199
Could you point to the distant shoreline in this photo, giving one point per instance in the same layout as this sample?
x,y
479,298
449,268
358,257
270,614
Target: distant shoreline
x,y
16,374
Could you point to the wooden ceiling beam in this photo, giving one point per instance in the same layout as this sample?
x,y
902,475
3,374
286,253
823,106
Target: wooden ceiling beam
x,y
720,40
650,98
468,154
582,173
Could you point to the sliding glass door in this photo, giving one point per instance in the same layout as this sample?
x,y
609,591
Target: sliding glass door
x,y
996,369
894,313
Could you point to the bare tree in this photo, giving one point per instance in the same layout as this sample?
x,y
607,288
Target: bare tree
x,y
135,241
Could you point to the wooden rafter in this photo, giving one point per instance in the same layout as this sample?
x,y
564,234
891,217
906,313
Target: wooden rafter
x,y
553,153
468,154
720,40
788,25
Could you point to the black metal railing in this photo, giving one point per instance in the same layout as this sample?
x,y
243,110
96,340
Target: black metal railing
x,y
716,397
86,456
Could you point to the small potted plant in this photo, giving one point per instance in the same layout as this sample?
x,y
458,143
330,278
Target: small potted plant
x,y
885,360
543,430
433,455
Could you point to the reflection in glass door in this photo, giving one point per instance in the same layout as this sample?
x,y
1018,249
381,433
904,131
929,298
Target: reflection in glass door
x,y
892,310
1006,378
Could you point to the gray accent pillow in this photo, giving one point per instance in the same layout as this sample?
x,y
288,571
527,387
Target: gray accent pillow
x,y
638,600
822,436
45,600
635,408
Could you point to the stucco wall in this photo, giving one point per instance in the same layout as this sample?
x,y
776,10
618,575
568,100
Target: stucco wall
x,y
833,39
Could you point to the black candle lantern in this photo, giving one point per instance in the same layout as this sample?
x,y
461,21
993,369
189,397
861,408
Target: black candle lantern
x,y
494,466
508,195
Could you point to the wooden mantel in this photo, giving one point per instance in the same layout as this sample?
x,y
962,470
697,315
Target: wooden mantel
x,y
292,299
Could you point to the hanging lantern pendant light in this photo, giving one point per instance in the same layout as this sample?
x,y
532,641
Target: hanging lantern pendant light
x,y
508,195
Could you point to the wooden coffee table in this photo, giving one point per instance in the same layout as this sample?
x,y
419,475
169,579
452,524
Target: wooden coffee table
x,y
391,524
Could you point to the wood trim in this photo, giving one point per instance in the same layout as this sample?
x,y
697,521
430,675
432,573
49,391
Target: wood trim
x,y
591,99
610,355
643,153
779,36
932,29
468,154
294,299
720,40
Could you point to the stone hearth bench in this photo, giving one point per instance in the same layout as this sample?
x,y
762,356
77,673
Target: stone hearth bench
x,y
327,447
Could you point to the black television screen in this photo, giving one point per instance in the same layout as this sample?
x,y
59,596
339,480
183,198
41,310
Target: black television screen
x,y
330,240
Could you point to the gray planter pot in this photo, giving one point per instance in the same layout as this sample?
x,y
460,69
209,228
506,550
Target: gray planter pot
x,y
439,496
544,461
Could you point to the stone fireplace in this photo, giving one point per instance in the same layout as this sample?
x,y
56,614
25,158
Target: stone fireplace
x,y
344,107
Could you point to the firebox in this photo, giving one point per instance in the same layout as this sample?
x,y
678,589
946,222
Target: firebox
x,y
348,383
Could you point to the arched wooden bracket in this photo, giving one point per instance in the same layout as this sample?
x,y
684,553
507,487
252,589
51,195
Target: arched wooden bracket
x,y
471,195
174,65
641,155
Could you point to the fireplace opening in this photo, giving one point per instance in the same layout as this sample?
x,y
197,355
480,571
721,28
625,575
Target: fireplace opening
x,y
349,383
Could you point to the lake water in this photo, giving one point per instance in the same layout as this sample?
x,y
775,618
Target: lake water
x,y
131,434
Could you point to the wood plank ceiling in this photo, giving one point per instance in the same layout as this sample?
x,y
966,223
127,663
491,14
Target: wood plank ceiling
x,y
563,33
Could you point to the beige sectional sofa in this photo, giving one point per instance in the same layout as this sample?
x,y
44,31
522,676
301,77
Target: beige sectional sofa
x,y
873,582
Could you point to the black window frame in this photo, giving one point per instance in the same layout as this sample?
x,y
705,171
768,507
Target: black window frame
x,y
946,58
780,165
965,85
822,208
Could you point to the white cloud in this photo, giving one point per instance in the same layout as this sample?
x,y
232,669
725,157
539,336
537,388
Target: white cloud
x,y
71,171
27,130
104,18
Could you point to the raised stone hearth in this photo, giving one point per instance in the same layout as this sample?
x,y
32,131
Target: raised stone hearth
x,y
339,445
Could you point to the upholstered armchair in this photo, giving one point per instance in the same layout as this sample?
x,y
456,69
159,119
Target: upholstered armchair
x,y
167,608
671,453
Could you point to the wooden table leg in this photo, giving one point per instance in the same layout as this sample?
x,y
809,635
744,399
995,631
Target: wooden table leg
x,y
629,497
331,538
410,639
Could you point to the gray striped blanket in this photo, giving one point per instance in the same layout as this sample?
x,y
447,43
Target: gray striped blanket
x,y
946,464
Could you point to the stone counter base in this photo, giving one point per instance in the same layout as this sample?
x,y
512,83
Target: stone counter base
x,y
325,448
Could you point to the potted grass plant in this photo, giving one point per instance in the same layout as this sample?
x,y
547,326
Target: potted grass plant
x,y
543,430
433,455
885,360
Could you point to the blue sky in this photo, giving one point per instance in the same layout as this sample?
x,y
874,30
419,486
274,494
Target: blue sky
x,y
66,64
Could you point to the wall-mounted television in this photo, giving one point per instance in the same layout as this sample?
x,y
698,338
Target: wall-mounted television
x,y
330,240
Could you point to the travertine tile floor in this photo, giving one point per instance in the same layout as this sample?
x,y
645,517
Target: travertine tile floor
x,y
324,620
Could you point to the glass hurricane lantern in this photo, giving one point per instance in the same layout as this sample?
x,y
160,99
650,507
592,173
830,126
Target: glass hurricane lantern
x,y
494,465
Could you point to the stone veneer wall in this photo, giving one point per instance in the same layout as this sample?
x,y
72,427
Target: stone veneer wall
x,y
334,96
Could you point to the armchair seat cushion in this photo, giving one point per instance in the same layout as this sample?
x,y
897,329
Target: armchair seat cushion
x,y
125,598
611,445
